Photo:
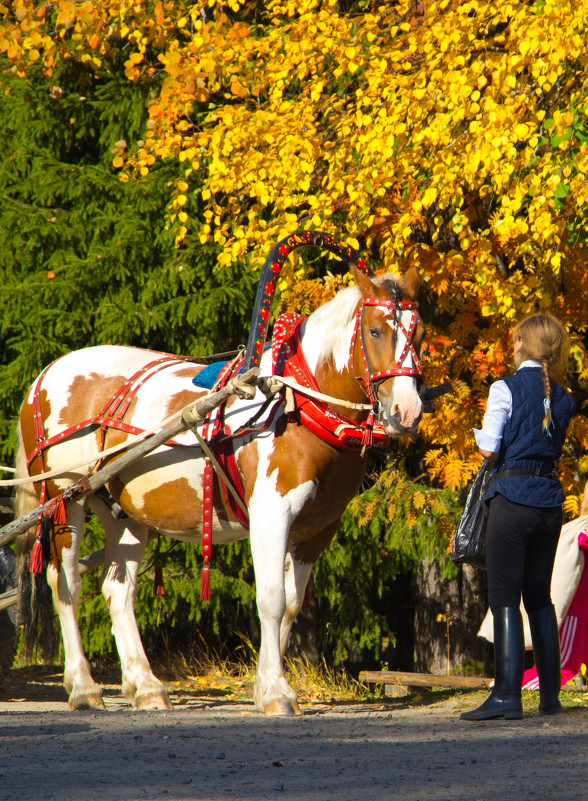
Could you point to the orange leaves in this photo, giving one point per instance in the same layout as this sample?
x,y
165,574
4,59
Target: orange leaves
x,y
119,152
453,474
572,506
88,32
367,512
237,89
303,295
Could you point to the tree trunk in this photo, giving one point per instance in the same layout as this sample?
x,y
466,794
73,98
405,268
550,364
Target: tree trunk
x,y
448,614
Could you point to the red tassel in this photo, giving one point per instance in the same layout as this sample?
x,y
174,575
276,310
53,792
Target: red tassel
x,y
59,511
205,584
368,433
36,565
158,588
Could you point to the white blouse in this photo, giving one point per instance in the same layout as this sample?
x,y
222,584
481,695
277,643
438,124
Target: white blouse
x,y
498,412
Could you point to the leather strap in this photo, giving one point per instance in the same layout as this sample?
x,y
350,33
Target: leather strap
x,y
524,471
317,416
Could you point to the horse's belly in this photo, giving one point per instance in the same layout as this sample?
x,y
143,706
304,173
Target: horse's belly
x,y
163,491
221,535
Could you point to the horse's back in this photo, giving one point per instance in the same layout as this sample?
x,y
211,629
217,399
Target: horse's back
x,y
142,387
81,383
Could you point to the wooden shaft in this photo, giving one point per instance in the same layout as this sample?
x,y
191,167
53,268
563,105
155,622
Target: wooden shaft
x,y
92,561
8,599
88,485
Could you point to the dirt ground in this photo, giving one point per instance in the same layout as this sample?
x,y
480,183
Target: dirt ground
x,y
213,746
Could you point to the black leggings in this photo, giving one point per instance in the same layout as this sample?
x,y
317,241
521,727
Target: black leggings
x,y
521,542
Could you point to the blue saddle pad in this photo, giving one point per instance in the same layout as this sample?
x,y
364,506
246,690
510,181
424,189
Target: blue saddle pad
x,y
206,378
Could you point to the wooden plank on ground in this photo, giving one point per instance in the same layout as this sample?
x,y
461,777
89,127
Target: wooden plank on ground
x,y
423,679
399,678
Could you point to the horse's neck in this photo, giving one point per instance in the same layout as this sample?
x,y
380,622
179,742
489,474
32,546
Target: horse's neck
x,y
337,383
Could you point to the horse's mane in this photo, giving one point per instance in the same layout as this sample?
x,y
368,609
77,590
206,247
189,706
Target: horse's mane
x,y
328,330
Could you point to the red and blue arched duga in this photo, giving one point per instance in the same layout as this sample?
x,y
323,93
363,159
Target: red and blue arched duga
x,y
269,276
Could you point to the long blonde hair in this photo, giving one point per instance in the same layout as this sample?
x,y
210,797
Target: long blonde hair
x,y
543,339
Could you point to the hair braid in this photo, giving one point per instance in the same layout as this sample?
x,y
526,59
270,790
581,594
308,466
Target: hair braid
x,y
543,339
547,399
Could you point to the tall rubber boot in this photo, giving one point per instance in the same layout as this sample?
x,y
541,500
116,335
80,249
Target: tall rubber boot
x,y
545,636
509,652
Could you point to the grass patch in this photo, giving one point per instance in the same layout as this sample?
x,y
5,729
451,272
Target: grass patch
x,y
210,675
201,673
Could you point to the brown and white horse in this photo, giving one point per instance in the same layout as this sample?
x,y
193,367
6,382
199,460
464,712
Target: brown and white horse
x,y
360,346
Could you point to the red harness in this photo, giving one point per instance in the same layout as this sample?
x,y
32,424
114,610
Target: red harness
x,y
372,378
110,416
339,431
334,428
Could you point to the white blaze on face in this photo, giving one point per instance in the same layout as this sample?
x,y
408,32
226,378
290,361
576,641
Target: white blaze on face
x,y
405,397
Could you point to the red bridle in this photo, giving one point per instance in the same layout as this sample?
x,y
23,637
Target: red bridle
x,y
372,378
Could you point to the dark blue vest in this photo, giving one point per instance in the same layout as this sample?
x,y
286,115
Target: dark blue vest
x,y
524,445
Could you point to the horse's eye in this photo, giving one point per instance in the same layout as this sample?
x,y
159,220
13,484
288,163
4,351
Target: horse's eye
x,y
374,333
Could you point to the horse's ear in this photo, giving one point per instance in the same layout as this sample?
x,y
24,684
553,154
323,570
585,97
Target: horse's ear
x,y
367,288
412,282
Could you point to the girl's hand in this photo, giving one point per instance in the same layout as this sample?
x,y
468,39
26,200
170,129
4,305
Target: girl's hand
x,y
492,455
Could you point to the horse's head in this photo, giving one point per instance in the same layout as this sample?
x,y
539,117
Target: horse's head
x,y
385,348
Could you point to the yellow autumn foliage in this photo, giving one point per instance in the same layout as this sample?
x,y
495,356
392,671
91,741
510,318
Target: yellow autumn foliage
x,y
452,135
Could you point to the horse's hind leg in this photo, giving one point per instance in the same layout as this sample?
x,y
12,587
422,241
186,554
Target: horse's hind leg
x,y
64,578
125,546
296,575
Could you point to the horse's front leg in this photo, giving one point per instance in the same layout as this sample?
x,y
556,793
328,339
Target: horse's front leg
x,y
63,576
269,534
125,547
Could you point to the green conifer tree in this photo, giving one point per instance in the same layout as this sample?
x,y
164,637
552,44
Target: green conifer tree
x,y
87,259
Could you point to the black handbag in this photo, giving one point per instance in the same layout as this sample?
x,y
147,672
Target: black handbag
x,y
469,543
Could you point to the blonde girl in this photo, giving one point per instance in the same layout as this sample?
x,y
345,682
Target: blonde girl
x,y
523,432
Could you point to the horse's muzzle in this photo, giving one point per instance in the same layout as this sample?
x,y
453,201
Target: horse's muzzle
x,y
395,428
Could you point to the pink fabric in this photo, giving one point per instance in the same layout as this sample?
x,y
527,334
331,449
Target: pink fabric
x,y
573,640
579,605
531,679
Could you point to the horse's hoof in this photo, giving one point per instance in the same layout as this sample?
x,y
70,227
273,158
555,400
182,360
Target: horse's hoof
x,y
85,701
153,701
282,706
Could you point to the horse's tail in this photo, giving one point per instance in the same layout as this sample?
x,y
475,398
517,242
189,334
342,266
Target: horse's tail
x,y
35,605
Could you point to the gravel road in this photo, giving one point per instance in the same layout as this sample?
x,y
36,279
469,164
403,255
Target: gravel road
x,y
217,748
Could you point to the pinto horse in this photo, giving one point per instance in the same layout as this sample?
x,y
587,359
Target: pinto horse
x,y
297,477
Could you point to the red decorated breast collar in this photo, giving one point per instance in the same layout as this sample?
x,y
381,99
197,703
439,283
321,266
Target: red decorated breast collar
x,y
289,360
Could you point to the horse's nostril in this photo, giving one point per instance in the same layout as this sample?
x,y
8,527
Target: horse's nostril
x,y
394,422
